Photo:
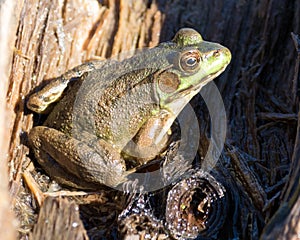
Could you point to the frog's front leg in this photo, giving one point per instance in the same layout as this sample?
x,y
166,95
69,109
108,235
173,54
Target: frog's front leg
x,y
39,101
76,163
151,139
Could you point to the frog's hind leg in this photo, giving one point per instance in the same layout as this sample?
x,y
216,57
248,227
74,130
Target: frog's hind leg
x,y
76,163
60,175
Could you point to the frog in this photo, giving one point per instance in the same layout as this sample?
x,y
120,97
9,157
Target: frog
x,y
107,118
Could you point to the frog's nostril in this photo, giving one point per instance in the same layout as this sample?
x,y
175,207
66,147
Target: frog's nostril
x,y
228,53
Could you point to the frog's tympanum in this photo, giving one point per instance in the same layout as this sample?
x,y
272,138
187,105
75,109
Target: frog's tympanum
x,y
110,113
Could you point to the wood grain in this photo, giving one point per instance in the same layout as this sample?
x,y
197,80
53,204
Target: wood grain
x,y
260,88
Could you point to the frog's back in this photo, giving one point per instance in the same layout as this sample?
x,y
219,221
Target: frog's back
x,y
88,100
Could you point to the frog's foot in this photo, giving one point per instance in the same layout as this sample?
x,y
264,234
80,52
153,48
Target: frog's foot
x,y
52,92
76,163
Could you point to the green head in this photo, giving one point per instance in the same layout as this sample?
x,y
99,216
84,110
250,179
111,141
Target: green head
x,y
193,63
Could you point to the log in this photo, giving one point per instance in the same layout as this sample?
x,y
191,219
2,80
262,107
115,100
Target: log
x,y
260,89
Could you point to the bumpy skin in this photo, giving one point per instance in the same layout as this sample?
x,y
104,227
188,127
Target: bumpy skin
x,y
109,112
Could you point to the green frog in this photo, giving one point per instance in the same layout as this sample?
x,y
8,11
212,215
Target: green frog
x,y
113,116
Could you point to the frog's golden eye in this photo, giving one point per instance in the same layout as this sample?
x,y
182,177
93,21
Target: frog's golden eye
x,y
168,82
190,60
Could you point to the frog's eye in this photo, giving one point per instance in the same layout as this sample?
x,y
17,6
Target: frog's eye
x,y
168,82
190,60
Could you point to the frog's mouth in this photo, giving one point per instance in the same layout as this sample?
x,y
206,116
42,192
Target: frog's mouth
x,y
208,79
176,102
188,93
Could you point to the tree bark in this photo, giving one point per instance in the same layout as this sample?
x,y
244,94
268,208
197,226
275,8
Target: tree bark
x,y
9,12
260,89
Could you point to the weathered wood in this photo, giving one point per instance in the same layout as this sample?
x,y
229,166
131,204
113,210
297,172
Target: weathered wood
x,y
260,88
59,219
9,15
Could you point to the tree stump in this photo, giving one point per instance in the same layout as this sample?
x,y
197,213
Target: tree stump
x,y
260,89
